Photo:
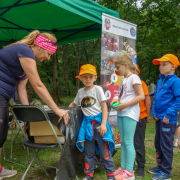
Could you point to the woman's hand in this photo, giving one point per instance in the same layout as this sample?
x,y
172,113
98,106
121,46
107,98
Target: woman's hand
x,y
63,114
102,129
113,101
120,107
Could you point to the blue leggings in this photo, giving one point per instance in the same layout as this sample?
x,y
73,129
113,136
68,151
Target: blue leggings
x,y
127,127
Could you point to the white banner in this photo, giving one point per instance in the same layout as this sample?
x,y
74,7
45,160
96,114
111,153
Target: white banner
x,y
118,38
118,26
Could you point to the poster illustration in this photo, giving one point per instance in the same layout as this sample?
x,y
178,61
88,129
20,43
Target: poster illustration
x,y
118,38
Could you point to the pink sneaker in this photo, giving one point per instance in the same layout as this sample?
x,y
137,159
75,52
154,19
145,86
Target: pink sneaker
x,y
118,177
127,175
117,171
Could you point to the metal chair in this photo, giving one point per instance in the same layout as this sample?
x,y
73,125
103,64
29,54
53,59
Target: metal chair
x,y
33,113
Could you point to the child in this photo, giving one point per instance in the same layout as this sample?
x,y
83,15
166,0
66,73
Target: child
x,y
179,141
139,135
165,112
177,131
131,93
95,129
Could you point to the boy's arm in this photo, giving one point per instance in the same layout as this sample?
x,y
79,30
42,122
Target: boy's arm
x,y
72,104
76,101
140,97
103,129
148,107
179,141
147,100
176,105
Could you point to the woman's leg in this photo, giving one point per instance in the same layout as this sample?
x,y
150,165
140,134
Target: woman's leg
x,y
129,126
4,120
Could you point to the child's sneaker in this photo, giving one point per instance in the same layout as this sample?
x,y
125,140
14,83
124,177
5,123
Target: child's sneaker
x,y
117,171
88,178
140,174
127,175
7,173
161,175
154,170
175,144
111,178
118,177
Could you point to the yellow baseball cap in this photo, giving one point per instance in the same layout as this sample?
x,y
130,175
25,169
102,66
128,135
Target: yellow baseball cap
x,y
167,57
87,69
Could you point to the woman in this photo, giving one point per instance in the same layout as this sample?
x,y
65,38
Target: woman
x,y
17,66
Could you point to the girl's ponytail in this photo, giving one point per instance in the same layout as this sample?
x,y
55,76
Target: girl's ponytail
x,y
28,40
31,37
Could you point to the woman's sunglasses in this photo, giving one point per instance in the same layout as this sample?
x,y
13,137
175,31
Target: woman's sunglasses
x,y
54,43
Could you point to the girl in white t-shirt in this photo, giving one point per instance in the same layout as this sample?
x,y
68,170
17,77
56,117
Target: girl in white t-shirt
x,y
130,94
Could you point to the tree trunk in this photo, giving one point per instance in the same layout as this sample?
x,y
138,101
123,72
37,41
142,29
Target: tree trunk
x,y
94,51
56,94
77,66
149,71
65,69
85,51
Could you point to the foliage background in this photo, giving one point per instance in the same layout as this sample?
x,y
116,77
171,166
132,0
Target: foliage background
x,y
158,33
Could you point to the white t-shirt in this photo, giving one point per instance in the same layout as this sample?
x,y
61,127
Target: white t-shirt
x,y
127,93
90,101
151,88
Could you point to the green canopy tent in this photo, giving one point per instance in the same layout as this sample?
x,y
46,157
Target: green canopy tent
x,y
70,20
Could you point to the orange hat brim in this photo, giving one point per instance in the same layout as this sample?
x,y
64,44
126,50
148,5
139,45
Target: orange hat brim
x,y
138,71
88,72
157,61
116,73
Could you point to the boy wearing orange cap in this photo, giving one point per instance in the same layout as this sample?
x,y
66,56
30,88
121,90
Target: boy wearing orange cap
x,y
95,133
165,112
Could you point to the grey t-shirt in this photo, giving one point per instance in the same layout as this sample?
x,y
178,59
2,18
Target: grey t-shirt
x,y
90,101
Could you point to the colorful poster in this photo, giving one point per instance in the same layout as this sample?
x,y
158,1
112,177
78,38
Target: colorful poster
x,y
118,38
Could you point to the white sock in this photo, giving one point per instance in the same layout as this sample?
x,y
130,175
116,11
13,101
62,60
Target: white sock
x,y
176,140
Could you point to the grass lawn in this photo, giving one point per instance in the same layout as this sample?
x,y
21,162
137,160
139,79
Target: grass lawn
x,y
51,157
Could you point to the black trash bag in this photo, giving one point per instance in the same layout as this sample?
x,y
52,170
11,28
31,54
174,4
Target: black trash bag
x,y
71,159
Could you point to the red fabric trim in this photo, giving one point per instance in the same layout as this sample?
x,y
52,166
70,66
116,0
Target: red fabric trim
x,y
110,174
92,123
1,168
90,174
107,155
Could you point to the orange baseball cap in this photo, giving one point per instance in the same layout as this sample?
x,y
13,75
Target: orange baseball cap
x,y
116,73
167,57
87,68
138,71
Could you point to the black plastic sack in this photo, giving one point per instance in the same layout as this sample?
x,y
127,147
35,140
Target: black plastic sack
x,y
71,159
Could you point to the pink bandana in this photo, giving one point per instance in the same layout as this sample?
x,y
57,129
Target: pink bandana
x,y
46,43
